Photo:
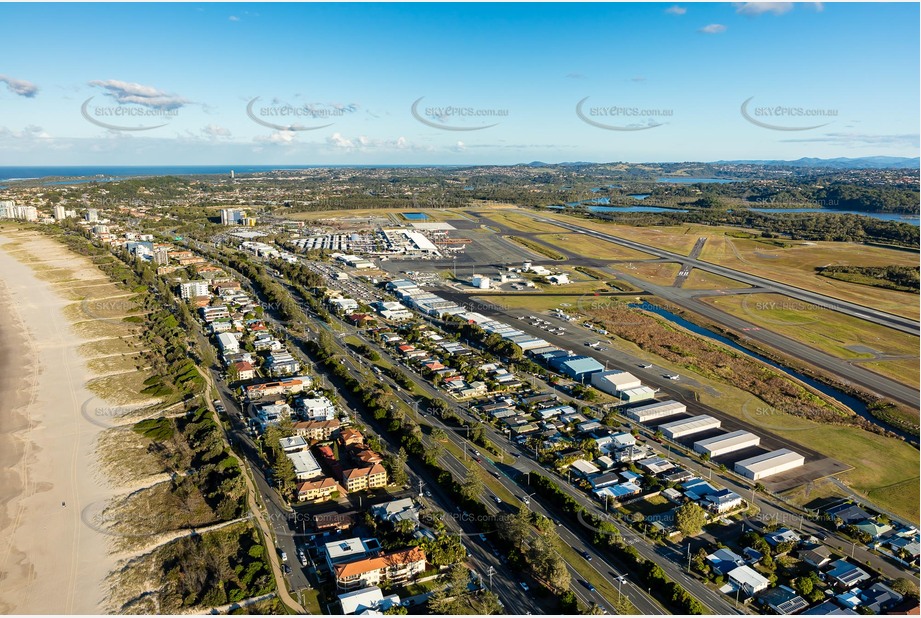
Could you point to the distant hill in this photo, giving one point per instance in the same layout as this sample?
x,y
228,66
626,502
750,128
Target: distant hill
x,y
843,162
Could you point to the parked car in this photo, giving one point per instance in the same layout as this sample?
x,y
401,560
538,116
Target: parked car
x,y
524,586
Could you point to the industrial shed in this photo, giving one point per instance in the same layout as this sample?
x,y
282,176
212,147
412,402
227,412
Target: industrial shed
x,y
689,426
652,411
727,443
766,465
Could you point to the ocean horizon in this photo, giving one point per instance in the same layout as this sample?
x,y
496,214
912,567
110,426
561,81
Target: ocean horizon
x,y
14,173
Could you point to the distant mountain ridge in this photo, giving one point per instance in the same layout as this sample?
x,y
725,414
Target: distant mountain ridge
x,y
880,162
843,162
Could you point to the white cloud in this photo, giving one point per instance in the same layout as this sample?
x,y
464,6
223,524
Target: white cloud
x,y
148,96
575,76
276,137
909,140
676,10
215,131
758,8
713,29
28,133
19,86
459,147
233,18
336,140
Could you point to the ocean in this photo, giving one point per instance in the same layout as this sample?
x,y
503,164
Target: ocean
x,y
103,172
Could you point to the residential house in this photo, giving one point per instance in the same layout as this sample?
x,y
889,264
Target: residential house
x,y
397,510
723,501
846,575
244,370
748,579
782,600
880,598
828,608
369,601
724,560
816,557
395,567
847,513
317,490
315,431
360,479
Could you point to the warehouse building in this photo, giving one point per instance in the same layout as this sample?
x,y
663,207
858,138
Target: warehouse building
x,y
614,382
576,367
769,464
652,411
727,443
636,395
689,426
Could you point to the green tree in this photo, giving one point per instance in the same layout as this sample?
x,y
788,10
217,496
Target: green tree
x,y
690,519
472,487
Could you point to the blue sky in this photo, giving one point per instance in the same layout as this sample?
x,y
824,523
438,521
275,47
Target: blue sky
x,y
498,83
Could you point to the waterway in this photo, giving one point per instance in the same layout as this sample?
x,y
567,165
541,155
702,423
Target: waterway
x,y
853,403
882,216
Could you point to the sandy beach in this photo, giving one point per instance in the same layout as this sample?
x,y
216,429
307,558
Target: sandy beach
x,y
50,561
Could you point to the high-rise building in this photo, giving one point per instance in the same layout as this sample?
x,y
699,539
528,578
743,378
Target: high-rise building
x,y
92,215
229,216
9,210
59,213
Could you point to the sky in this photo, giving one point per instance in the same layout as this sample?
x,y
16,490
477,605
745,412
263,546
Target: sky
x,y
315,84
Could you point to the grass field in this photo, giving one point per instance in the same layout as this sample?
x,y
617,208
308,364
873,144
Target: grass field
x,y
580,245
796,265
537,247
660,273
676,238
905,370
519,222
829,331
700,280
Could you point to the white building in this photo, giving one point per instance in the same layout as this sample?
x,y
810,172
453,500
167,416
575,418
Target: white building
x,y
318,409
228,343
727,443
481,282
367,601
305,465
689,426
614,382
192,289
92,215
9,210
768,464
655,411
748,579
60,213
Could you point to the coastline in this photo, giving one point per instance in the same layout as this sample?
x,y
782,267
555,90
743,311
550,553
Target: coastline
x,y
50,561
